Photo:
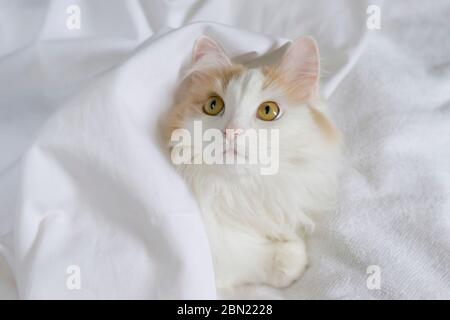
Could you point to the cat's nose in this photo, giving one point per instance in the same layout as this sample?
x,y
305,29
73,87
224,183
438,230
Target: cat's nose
x,y
232,133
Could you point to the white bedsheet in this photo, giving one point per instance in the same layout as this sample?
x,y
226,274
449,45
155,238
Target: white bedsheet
x,y
94,189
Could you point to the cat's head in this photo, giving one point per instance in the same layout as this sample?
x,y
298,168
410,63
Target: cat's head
x,y
284,97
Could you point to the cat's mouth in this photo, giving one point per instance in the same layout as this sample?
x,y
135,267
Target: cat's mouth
x,y
234,153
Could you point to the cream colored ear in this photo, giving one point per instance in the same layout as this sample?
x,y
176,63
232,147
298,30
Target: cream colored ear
x,y
208,50
300,64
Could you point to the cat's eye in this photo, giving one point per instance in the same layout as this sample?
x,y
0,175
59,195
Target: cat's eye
x,y
213,106
268,111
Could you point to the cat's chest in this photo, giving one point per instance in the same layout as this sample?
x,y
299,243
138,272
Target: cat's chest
x,y
247,200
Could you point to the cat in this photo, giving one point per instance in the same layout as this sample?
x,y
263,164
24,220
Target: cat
x,y
256,224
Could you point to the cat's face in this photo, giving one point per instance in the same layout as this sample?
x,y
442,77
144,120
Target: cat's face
x,y
281,98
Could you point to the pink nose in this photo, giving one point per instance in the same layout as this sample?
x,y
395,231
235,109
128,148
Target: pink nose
x,y
232,133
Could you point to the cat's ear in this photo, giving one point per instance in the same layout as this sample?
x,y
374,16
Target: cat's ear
x,y
208,53
300,65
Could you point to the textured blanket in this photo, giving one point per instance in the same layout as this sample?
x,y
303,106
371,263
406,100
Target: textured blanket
x,y
90,206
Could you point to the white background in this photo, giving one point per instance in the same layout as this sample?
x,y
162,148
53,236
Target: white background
x,y
388,89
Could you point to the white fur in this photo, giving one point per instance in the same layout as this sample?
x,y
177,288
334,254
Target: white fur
x,y
256,223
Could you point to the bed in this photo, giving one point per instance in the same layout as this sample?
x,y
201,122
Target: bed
x,y
91,208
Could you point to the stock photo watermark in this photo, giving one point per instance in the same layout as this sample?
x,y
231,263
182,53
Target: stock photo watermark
x,y
73,281
373,21
73,21
233,147
373,281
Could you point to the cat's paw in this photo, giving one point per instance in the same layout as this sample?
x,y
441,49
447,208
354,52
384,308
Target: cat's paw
x,y
288,263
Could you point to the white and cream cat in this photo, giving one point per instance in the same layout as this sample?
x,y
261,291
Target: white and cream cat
x,y
256,223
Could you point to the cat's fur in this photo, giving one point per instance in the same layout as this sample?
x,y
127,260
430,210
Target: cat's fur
x,y
256,223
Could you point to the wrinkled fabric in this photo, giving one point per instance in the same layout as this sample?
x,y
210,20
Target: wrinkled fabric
x,y
85,181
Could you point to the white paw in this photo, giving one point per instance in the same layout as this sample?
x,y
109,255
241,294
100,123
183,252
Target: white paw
x,y
288,263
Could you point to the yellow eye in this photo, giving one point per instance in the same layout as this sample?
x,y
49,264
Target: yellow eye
x,y
268,111
213,106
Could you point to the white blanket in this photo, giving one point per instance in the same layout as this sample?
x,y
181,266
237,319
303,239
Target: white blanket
x,y
95,202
